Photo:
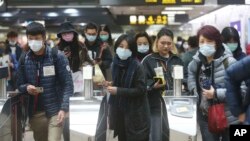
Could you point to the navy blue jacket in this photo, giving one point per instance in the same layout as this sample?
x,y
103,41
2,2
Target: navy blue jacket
x,y
235,74
57,88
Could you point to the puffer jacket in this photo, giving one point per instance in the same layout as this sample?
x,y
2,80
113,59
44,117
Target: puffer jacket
x,y
57,88
219,75
235,74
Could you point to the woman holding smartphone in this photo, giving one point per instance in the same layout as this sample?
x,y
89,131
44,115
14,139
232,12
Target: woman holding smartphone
x,y
160,62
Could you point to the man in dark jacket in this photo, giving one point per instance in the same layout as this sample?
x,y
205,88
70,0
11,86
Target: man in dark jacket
x,y
45,75
101,56
239,106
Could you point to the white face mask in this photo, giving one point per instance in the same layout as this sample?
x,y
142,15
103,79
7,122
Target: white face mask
x,y
142,48
123,53
12,43
35,45
207,49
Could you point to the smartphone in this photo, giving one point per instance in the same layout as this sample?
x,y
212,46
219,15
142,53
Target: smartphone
x,y
156,79
39,89
66,49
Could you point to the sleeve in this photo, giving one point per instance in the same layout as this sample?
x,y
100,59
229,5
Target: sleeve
x,y
235,74
106,58
148,74
21,76
221,92
65,79
192,70
139,83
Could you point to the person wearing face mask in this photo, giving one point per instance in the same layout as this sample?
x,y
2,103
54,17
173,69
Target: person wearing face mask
x,y
144,45
105,37
206,74
14,51
12,46
78,57
44,74
94,45
128,110
231,39
164,56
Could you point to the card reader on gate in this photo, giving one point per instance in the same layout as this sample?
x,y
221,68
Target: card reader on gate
x,y
181,107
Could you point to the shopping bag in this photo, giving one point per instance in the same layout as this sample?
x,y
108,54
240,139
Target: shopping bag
x,y
78,81
217,120
98,76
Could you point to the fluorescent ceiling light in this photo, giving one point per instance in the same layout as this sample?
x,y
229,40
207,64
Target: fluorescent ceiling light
x,y
178,8
74,14
82,24
173,12
52,14
7,14
32,6
70,11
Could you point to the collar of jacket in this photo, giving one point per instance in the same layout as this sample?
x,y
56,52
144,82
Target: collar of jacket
x,y
158,57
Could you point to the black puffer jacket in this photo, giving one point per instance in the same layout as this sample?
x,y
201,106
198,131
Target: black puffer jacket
x,y
152,61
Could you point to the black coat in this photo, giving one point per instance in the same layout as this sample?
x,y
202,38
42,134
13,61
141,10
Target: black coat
x,y
131,110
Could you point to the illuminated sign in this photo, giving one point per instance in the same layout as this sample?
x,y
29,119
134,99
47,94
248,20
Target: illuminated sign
x,y
231,1
148,20
142,19
151,2
175,2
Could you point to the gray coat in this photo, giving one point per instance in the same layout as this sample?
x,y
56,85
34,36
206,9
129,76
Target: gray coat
x,y
219,74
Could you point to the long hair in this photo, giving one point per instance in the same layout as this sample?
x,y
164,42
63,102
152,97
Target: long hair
x,y
144,34
131,43
75,47
164,32
105,28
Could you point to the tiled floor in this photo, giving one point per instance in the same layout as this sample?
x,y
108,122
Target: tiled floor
x,y
29,136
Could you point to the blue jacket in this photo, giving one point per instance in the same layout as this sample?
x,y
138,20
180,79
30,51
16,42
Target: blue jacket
x,y
235,74
57,88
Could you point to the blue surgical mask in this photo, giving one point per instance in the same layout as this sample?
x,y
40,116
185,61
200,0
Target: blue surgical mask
x,y
143,48
123,53
207,49
232,46
104,37
91,38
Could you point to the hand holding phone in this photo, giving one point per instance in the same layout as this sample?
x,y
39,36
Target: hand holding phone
x,y
158,79
39,89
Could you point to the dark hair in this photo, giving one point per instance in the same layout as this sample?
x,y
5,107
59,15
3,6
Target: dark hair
x,y
211,33
131,43
229,33
91,25
193,41
144,34
164,31
179,38
35,28
12,34
105,27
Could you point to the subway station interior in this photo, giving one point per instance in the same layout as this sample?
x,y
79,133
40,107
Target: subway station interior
x,y
88,108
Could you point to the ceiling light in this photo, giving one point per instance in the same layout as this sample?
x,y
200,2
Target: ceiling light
x,y
173,12
7,14
70,11
178,8
52,14
74,14
82,24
